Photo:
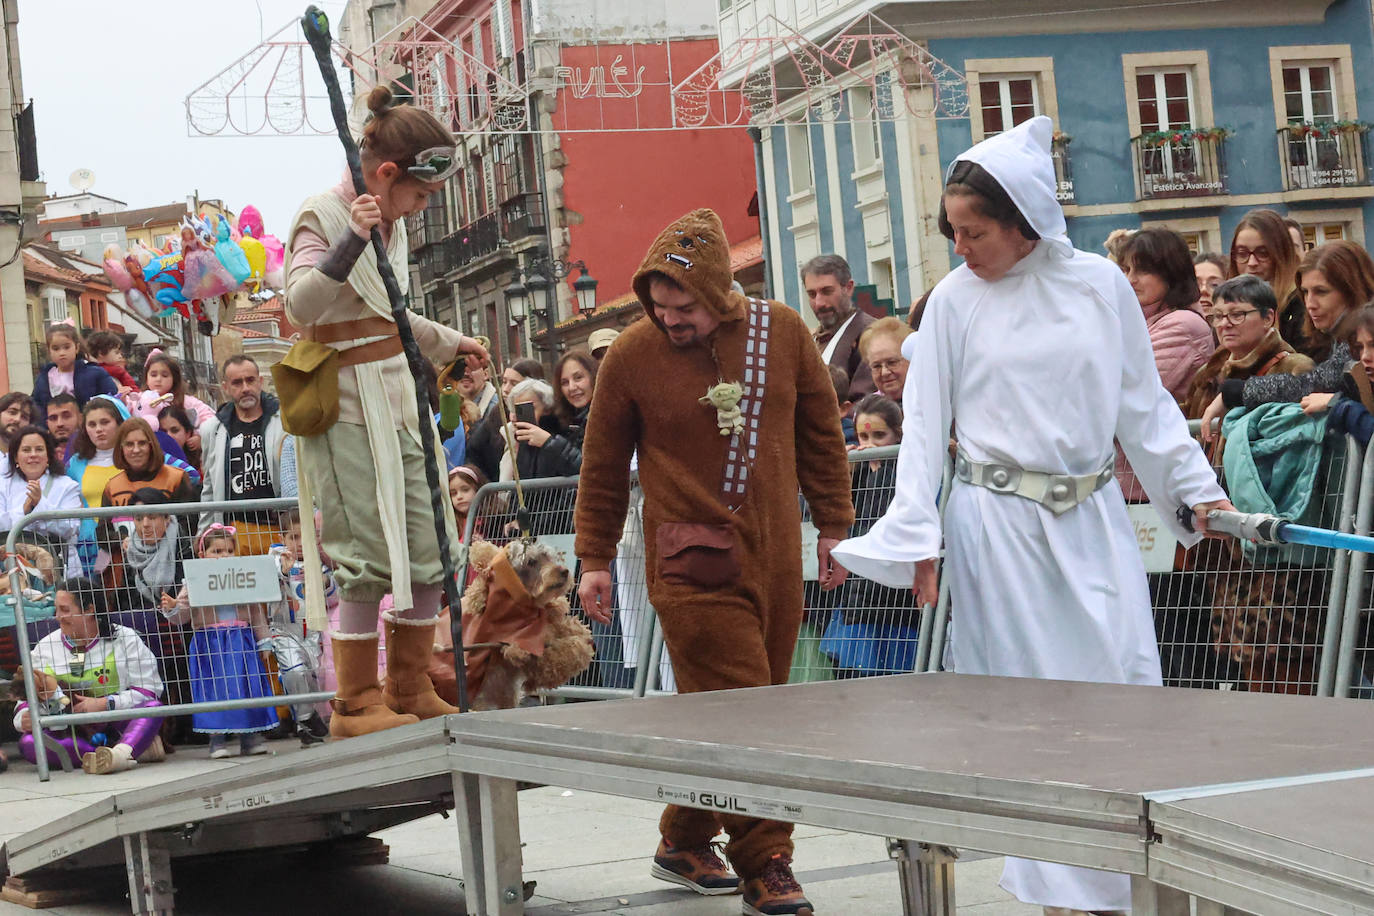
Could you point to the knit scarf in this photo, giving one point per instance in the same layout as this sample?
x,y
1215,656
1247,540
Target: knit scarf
x,y
154,566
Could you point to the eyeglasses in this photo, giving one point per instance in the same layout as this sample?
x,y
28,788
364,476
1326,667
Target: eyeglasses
x,y
1261,255
1232,318
888,365
434,164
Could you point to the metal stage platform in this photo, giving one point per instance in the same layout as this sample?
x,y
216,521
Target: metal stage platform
x,y
1257,802
1171,786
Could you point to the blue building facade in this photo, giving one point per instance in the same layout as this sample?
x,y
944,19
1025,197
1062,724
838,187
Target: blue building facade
x,y
1188,128
1106,89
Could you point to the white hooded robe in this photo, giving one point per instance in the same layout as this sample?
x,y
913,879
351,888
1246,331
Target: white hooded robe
x,y
1041,369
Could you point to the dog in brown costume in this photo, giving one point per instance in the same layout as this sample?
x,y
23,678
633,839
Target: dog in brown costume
x,y
1270,624
517,616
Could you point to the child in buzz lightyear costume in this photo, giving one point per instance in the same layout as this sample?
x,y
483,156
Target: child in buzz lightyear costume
x,y
88,665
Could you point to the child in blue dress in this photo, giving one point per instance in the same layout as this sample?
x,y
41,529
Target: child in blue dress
x,y
224,660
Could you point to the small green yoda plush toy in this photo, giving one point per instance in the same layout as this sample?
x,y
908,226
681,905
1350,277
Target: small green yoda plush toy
x,y
725,398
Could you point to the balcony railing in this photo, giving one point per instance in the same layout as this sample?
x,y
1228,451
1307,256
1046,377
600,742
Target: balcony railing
x,y
523,215
1319,155
1063,170
477,239
1183,163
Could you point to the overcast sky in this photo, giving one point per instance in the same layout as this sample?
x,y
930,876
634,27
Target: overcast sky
x,y
109,83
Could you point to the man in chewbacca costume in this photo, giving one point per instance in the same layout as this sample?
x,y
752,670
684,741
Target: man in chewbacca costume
x,y
721,519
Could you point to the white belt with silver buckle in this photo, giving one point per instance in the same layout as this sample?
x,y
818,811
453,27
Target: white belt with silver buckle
x,y
1057,492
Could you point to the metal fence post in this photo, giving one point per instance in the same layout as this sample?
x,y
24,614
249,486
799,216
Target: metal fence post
x,y
1354,496
1355,585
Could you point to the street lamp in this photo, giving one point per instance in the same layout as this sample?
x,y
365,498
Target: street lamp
x,y
585,287
539,268
537,284
517,301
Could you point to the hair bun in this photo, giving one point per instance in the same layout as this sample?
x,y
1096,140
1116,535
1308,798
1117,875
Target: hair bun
x,y
380,99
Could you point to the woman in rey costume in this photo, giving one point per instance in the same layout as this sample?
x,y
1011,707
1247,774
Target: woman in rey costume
x,y
367,469
1038,355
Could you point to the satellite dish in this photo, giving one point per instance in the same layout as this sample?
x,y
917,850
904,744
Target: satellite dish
x,y
82,179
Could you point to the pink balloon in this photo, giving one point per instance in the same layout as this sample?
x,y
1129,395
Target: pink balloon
x,y
118,274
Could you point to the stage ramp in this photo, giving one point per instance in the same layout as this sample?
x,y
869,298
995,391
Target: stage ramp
x,y
332,792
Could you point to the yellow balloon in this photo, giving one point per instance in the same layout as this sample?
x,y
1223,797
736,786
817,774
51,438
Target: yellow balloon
x,y
257,258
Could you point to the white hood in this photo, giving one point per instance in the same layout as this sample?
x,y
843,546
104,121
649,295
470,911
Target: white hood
x,y
1019,159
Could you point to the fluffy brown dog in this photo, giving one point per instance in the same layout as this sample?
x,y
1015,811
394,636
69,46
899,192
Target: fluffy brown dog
x,y
1270,624
517,616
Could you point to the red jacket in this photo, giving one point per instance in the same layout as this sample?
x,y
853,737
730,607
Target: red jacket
x,y
120,375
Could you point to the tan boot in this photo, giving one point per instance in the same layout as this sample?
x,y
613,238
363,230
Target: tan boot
x,y
359,708
409,645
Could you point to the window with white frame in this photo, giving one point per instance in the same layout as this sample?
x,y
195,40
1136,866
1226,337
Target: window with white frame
x,y
1309,92
1309,97
109,236
55,305
1007,101
1165,101
864,120
884,281
1319,233
799,158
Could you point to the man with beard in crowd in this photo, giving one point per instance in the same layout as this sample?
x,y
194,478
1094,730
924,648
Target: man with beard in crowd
x,y
242,455
830,287
64,416
16,412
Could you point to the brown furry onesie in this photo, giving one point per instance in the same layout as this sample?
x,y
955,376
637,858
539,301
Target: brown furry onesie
x,y
647,391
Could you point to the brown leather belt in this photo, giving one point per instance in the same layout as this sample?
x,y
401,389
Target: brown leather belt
x,y
371,352
374,326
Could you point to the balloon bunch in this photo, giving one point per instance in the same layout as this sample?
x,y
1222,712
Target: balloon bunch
x,y
188,275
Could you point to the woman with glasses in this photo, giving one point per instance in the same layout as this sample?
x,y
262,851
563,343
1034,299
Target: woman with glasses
x,y
1263,247
1245,314
1335,280
880,346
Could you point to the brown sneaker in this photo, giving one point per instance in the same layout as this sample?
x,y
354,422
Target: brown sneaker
x,y
700,869
775,892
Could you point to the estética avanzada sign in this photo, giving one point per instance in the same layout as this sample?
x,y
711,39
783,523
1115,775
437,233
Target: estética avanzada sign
x,y
235,580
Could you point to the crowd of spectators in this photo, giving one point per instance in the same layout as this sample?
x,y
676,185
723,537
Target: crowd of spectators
x,y
1267,323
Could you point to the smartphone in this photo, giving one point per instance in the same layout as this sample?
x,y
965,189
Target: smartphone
x,y
524,412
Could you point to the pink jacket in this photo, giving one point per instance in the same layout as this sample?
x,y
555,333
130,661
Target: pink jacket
x,y
148,404
1182,343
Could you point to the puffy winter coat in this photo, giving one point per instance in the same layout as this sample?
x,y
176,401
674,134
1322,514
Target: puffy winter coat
x,y
1182,343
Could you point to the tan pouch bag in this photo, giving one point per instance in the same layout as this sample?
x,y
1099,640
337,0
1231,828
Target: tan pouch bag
x,y
307,382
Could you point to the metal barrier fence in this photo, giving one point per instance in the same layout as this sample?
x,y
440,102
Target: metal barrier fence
x,y
1227,617
240,669
1233,616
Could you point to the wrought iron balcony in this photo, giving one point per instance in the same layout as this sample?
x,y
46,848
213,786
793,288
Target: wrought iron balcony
x,y
1324,155
523,215
1063,169
1180,163
477,239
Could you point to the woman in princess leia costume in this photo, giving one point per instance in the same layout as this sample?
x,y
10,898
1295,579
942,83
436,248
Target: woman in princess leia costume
x,y
1038,355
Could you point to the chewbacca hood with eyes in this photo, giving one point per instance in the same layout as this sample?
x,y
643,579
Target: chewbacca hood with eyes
x,y
694,254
